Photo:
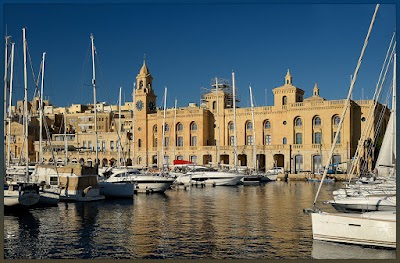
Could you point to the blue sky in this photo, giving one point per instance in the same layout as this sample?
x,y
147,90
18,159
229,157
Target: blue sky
x,y
186,45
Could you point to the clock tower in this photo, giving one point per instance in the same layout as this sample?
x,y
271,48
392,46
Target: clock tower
x,y
145,103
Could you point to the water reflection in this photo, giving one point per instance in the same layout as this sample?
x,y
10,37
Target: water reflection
x,y
262,222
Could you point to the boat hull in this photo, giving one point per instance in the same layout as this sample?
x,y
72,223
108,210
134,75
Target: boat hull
x,y
152,185
117,189
369,203
362,229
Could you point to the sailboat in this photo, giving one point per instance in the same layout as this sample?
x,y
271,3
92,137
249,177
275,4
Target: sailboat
x,y
21,192
377,228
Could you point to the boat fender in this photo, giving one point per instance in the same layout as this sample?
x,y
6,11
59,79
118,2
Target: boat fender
x,y
86,190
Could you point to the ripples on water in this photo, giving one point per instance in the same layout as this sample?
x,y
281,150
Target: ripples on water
x,y
244,222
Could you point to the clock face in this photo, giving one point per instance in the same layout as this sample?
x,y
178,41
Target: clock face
x,y
139,105
152,106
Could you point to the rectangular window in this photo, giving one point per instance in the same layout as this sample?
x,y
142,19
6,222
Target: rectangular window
x,y
179,141
166,141
112,145
267,139
299,163
299,138
155,142
338,139
249,139
84,144
193,141
90,145
103,145
98,145
317,138
193,159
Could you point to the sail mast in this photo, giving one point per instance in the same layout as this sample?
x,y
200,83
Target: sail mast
x,y
219,133
176,104
65,138
119,127
394,112
234,121
5,90
25,108
9,106
41,113
133,124
163,129
94,100
254,132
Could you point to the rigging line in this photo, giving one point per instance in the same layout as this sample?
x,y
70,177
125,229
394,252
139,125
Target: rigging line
x,y
378,125
80,85
33,72
102,77
347,102
378,89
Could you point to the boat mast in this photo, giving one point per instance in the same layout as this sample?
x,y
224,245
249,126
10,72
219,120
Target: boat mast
x,y
65,138
25,109
163,129
254,131
234,121
133,124
5,91
219,131
119,127
41,113
394,112
94,100
9,106
175,107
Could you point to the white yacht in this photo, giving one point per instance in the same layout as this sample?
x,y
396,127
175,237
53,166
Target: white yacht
x,y
209,176
121,178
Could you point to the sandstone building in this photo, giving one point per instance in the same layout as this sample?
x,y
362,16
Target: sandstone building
x,y
296,132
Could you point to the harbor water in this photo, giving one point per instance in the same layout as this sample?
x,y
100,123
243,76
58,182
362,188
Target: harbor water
x,y
242,222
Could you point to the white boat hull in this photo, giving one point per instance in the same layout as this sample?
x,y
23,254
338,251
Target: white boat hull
x,y
152,184
373,228
368,203
210,178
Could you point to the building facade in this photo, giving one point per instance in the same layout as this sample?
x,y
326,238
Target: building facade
x,y
295,132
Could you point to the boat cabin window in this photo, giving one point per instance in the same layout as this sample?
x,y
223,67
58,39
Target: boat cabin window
x,y
53,180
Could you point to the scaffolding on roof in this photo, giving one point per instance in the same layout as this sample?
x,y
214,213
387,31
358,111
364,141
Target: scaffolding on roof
x,y
224,86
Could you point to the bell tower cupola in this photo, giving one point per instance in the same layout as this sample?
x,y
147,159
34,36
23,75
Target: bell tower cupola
x,y
144,80
288,78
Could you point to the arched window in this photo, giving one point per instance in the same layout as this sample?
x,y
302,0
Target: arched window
x,y
141,84
231,126
249,125
155,128
284,100
336,120
139,160
284,140
214,106
179,127
193,126
139,143
317,121
298,122
317,138
267,124
166,127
